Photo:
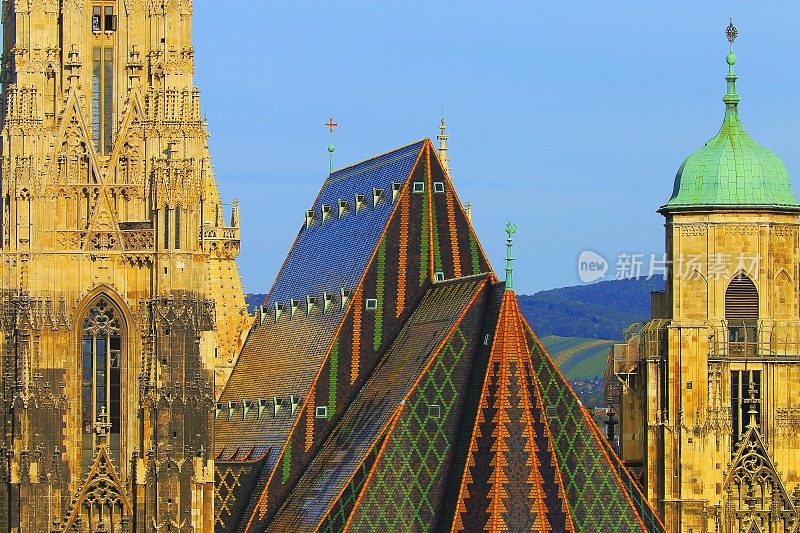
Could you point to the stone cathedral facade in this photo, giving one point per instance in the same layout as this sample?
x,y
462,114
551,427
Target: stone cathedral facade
x,y
707,390
120,296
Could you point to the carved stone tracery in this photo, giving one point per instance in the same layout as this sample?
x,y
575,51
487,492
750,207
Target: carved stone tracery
x,y
101,503
102,319
756,494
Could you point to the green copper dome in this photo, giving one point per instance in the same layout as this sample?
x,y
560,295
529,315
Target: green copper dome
x,y
732,170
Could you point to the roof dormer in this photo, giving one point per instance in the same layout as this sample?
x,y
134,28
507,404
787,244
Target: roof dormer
x,y
396,186
378,196
344,208
361,202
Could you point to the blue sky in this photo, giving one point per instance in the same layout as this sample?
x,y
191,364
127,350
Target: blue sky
x,y
567,118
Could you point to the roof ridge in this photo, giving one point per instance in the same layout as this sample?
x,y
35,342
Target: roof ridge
x,y
348,167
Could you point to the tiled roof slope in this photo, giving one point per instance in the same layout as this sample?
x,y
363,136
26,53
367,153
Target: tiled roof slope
x,y
331,255
391,250
600,493
263,375
383,399
410,404
511,481
415,481
536,461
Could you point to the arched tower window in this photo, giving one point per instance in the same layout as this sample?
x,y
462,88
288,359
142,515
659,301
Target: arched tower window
x,y
101,349
167,214
177,241
741,312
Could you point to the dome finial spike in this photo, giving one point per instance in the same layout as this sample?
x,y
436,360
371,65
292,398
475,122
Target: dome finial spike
x,y
731,33
731,98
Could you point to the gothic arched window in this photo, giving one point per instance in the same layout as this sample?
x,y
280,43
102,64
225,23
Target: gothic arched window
x,y
177,242
101,351
741,312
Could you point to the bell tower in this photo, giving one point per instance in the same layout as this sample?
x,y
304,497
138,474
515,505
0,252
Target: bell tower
x,y
122,307
708,403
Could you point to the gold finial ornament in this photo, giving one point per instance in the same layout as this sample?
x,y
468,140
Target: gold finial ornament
x,y
731,32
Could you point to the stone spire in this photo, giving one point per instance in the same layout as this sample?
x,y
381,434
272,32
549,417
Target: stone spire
x,y
753,400
443,146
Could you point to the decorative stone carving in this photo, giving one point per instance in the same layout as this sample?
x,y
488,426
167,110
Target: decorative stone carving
x,y
756,494
741,229
784,230
694,230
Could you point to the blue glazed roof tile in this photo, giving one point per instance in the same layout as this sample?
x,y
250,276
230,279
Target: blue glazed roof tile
x,y
332,255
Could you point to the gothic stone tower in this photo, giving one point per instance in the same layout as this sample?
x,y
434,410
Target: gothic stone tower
x,y
119,288
709,404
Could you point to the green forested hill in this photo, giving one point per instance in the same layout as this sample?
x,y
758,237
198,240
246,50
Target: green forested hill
x,y
253,301
597,311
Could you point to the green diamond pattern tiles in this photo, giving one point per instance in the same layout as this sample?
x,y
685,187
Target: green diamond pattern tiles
x,y
597,500
401,496
375,407
340,512
644,509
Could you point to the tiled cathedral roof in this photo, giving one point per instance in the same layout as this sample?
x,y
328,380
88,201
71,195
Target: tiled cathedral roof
x,y
395,386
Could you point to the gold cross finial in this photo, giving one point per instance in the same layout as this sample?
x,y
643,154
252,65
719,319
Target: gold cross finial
x,y
331,124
